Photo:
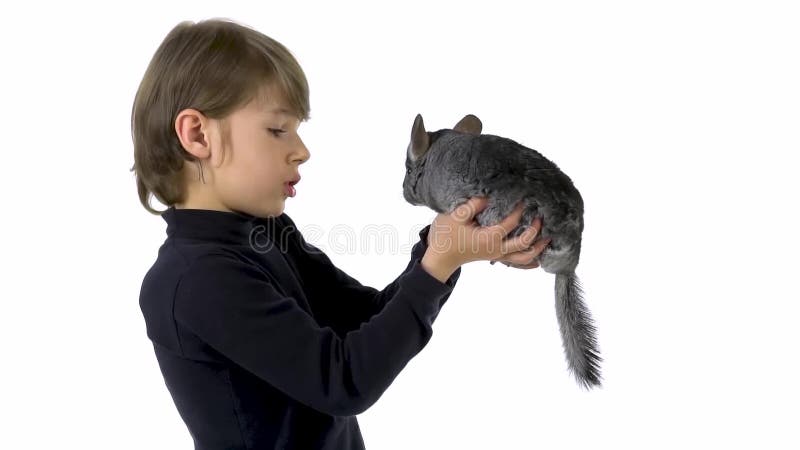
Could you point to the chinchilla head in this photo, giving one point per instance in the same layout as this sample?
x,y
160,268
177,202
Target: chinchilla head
x,y
425,152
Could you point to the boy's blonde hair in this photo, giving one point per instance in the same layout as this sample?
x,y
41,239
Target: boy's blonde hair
x,y
215,66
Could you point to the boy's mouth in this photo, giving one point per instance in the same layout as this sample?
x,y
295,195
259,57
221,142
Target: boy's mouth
x,y
289,189
288,186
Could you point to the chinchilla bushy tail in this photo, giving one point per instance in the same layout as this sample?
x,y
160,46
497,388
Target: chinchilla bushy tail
x,y
577,331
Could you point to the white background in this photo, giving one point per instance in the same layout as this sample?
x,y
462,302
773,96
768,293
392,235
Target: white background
x,y
677,121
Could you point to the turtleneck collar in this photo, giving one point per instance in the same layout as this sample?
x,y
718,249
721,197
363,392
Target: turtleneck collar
x,y
212,225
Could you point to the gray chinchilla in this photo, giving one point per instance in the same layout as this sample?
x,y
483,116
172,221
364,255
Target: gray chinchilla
x,y
445,168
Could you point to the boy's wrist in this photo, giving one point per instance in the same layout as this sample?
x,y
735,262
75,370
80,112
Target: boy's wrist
x,y
437,266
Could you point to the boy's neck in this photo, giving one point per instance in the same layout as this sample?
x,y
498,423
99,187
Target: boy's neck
x,y
202,204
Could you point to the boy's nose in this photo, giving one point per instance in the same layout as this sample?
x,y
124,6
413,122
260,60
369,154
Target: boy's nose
x,y
303,152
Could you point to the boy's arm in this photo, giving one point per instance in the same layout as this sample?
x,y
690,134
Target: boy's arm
x,y
233,306
340,299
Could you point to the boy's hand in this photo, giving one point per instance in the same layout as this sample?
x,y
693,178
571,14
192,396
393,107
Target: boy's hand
x,y
526,259
455,238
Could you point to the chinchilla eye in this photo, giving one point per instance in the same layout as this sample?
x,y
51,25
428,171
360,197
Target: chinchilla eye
x,y
408,171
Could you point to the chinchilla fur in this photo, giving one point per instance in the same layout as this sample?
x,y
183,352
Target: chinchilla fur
x,y
445,168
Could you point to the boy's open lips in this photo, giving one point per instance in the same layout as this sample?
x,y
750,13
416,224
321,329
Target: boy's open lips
x,y
288,185
288,188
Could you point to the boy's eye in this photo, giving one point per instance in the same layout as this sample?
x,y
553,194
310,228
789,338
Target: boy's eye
x,y
276,131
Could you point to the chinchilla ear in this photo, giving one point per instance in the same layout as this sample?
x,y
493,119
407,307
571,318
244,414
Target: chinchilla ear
x,y
419,138
469,124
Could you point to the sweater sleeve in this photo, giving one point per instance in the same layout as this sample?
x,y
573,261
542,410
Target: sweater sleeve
x,y
340,299
233,306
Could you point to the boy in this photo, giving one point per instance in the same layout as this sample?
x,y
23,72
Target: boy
x,y
263,343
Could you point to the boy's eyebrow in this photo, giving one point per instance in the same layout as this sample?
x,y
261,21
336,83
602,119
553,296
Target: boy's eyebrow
x,y
284,111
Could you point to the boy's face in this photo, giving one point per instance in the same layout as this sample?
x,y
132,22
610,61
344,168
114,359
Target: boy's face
x,y
263,154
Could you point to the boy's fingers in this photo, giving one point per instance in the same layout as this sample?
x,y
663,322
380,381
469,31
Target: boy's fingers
x,y
536,248
510,221
527,256
530,234
466,212
522,259
531,265
540,245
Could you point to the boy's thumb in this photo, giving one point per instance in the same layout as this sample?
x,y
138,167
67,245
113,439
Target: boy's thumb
x,y
467,210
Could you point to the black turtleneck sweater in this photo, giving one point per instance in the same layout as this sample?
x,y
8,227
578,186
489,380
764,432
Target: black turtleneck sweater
x,y
265,344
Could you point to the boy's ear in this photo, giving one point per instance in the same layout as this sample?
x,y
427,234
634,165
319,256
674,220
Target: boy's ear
x,y
192,129
420,141
469,124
